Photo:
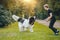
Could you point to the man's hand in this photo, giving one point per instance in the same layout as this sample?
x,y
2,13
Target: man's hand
x,y
46,20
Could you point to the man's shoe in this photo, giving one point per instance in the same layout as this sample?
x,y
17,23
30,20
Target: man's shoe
x,y
57,32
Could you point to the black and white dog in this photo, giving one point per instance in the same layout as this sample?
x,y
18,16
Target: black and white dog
x,y
24,23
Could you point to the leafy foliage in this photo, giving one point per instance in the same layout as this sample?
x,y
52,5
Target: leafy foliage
x,y
5,16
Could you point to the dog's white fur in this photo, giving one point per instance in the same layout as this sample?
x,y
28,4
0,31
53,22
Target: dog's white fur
x,y
23,26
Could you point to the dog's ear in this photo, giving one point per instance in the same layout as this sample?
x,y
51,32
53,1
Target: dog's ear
x,y
34,17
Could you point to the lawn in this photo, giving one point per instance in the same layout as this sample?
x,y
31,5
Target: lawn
x,y
41,32
58,20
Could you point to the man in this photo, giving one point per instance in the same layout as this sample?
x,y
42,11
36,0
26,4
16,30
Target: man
x,y
51,18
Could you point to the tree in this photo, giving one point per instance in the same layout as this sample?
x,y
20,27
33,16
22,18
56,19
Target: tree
x,y
5,16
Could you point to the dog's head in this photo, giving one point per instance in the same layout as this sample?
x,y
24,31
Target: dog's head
x,y
32,20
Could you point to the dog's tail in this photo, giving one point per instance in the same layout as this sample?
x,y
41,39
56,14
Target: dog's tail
x,y
15,17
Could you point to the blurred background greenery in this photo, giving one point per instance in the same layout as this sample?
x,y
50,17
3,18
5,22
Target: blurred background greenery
x,y
24,8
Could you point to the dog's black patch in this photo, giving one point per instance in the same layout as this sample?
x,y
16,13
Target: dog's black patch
x,y
20,20
31,20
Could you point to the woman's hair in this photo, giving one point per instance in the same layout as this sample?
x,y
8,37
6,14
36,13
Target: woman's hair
x,y
46,5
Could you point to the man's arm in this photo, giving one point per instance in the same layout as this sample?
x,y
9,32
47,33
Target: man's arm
x,y
49,17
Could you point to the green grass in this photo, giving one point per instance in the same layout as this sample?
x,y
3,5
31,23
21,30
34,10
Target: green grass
x,y
41,32
58,20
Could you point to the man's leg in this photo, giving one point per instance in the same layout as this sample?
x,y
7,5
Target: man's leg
x,y
51,26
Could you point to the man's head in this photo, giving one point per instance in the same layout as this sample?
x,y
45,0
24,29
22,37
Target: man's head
x,y
46,7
